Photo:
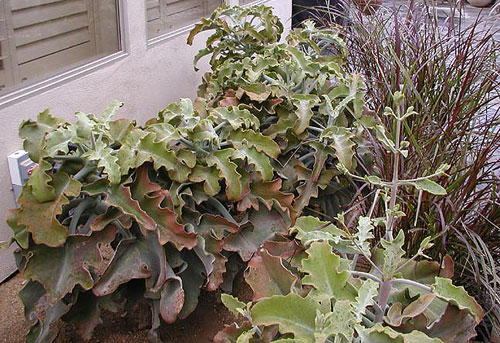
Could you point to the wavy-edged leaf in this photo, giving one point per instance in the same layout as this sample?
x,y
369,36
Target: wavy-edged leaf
x,y
33,132
209,177
310,229
304,105
149,150
255,140
234,306
339,324
393,254
384,334
110,111
342,143
19,232
256,92
323,272
106,160
238,117
262,226
40,182
41,218
365,298
259,160
59,270
227,170
292,313
150,197
444,289
120,197
269,193
365,228
58,140
135,258
267,276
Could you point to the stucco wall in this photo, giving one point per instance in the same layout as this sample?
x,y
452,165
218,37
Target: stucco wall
x,y
147,79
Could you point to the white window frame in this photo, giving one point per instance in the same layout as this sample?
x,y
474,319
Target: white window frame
x,y
60,78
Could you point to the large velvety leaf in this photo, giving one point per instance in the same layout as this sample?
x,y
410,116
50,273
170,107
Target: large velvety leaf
x,y
342,143
269,193
263,225
150,197
228,171
59,270
19,232
338,324
120,197
267,276
33,133
193,278
106,160
454,326
393,254
322,267
457,296
40,182
238,117
259,160
209,177
41,218
135,258
292,313
234,306
255,140
304,105
385,334
366,294
172,297
149,150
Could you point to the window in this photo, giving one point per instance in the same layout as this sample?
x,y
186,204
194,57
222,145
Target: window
x,y
164,16
39,38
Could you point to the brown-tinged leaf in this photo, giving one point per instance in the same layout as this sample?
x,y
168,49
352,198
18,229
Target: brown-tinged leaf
x,y
59,270
150,197
41,218
267,276
135,258
262,226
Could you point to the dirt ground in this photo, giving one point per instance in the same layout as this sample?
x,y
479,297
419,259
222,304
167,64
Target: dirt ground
x,y
200,327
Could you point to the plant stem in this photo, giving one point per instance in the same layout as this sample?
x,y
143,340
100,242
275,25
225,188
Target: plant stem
x,y
367,276
394,187
412,283
84,172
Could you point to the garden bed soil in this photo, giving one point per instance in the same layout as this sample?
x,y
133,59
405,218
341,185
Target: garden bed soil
x,y
200,327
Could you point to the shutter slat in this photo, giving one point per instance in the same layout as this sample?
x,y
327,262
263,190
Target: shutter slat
x,y
52,45
49,29
40,14
22,4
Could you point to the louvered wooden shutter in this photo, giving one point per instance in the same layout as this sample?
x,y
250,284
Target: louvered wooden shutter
x,y
168,15
6,71
51,34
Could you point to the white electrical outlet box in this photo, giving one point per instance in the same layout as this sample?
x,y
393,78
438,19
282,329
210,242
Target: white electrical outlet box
x,y
20,167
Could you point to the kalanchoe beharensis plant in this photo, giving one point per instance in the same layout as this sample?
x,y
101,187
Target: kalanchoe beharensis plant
x,y
302,97
116,215
321,292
